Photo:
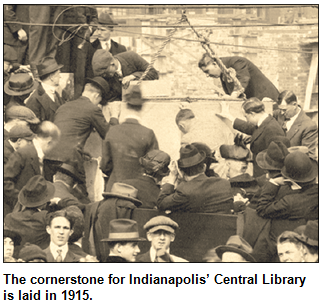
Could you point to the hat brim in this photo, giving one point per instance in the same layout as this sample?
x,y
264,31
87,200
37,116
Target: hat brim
x,y
220,250
49,194
124,239
107,195
166,228
193,163
15,237
309,177
10,92
262,163
50,70
307,240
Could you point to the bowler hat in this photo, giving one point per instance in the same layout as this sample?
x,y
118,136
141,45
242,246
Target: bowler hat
x,y
21,113
31,251
47,65
190,156
133,95
70,170
123,191
310,233
36,192
273,157
234,152
19,84
106,19
101,84
21,131
14,236
236,244
101,61
155,161
9,54
203,147
299,167
123,230
161,223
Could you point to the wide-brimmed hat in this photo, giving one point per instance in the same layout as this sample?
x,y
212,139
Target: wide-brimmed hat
x,y
101,61
235,152
123,191
309,233
21,131
236,244
106,19
273,157
9,54
36,192
299,167
20,84
31,251
123,230
190,156
133,95
21,113
70,170
209,154
155,161
47,65
14,236
101,83
161,223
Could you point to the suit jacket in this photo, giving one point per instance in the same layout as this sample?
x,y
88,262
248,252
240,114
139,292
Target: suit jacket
x,y
76,120
261,137
255,83
122,147
70,256
148,190
200,195
147,258
42,105
31,225
116,48
22,165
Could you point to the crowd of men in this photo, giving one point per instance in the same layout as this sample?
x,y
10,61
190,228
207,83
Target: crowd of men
x,y
48,216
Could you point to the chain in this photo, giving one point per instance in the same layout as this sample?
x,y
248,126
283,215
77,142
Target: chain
x,y
157,54
230,73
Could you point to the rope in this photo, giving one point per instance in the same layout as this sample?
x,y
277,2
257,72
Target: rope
x,y
157,54
230,74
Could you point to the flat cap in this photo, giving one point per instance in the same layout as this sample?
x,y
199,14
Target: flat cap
x,y
161,223
101,61
22,113
21,131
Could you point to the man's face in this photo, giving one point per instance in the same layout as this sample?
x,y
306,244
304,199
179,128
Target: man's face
x,y
160,239
59,231
211,70
129,251
250,117
236,167
232,257
56,77
289,252
8,247
103,33
6,66
111,69
289,110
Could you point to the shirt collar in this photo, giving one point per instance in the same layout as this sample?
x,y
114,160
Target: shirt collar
x,y
50,90
119,68
290,122
53,249
261,119
153,253
39,150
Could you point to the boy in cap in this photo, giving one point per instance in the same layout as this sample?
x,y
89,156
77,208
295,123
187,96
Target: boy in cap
x,y
160,232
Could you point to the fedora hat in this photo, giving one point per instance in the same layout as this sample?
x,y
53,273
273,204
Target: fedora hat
x,y
123,191
309,233
155,161
161,223
123,230
273,157
47,65
14,236
236,244
209,155
190,156
70,170
106,19
101,83
299,167
36,192
134,95
19,84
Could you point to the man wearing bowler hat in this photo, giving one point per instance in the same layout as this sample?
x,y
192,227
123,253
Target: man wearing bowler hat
x,y
45,101
123,241
196,192
124,144
161,232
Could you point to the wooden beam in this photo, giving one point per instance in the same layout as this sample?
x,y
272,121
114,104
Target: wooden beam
x,y
312,78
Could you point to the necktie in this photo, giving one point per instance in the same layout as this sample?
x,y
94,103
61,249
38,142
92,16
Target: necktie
x,y
162,258
59,258
57,99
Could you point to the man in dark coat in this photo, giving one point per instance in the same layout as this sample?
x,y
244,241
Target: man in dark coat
x,y
120,70
197,193
124,144
254,82
45,101
262,127
300,129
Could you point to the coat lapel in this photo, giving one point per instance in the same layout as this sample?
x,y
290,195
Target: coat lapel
x,y
260,129
295,126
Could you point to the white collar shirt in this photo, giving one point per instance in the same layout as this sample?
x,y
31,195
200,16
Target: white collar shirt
x,y
50,90
54,248
40,154
290,122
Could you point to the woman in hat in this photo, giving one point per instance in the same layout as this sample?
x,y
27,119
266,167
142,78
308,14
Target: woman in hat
x,y
11,239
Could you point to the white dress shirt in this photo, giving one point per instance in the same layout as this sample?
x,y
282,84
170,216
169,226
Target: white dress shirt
x,y
53,249
40,154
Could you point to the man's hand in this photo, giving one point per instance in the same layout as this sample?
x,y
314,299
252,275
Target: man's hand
x,y
115,109
126,81
225,112
54,201
22,35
